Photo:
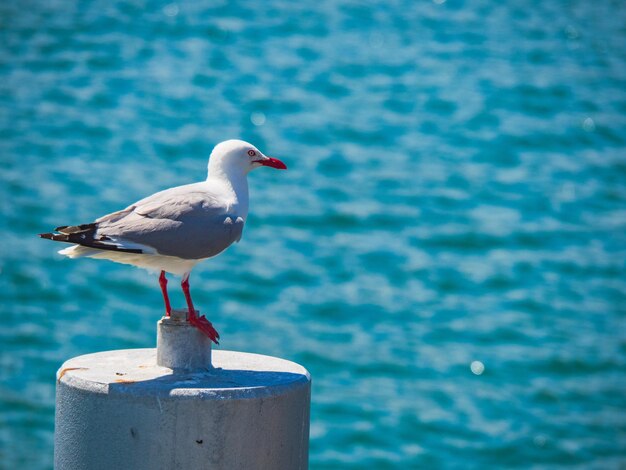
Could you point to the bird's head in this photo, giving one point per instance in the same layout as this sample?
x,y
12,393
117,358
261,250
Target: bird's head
x,y
238,155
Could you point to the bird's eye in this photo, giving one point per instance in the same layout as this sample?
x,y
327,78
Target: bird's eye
x,y
252,153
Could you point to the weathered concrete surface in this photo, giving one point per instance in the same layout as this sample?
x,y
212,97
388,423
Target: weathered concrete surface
x,y
120,410
181,345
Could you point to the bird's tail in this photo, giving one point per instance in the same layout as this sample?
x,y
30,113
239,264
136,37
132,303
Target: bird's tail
x,y
78,251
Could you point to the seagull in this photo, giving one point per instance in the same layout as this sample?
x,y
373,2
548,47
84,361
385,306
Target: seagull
x,y
173,230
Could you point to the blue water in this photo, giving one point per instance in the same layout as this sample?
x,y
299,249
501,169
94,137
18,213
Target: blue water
x,y
446,253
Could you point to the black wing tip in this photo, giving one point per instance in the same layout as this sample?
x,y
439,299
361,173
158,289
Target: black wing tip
x,y
76,228
80,235
57,237
71,233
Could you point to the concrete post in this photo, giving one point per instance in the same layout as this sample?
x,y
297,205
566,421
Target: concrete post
x,y
180,345
127,409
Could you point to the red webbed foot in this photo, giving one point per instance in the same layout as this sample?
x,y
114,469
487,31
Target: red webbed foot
x,y
205,326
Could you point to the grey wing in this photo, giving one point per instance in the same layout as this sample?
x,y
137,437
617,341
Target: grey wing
x,y
179,222
155,200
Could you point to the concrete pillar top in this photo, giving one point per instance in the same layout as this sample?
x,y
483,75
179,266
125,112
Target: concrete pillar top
x,y
235,375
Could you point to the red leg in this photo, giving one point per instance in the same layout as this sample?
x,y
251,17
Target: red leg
x,y
185,285
201,322
163,283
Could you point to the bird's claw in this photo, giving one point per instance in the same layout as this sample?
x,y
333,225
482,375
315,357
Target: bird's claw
x,y
205,327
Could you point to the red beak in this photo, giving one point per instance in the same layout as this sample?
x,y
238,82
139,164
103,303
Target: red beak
x,y
272,162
